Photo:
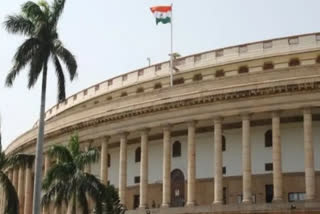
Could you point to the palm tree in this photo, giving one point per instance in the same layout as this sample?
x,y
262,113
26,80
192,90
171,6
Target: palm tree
x,y
66,182
38,22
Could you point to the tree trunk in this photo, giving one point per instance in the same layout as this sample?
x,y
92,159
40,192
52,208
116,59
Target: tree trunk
x,y
39,149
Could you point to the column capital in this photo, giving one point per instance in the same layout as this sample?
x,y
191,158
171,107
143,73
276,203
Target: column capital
x,y
217,120
167,127
192,123
124,134
144,131
276,113
246,116
307,110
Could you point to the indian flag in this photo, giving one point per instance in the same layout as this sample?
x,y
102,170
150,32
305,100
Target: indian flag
x,y
162,14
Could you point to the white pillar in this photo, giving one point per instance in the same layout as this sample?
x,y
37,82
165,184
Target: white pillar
x,y
123,168
104,160
191,163
309,156
15,178
218,183
166,192
144,169
28,194
276,158
246,160
21,189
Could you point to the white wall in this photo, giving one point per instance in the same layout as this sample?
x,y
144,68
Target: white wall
x,y
292,154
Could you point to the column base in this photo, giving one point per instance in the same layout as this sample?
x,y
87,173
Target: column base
x,y
277,200
142,206
165,206
190,204
217,203
247,202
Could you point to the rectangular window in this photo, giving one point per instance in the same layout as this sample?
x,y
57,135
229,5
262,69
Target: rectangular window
x,y
137,179
224,170
296,196
224,147
268,167
74,97
124,77
109,82
85,92
318,37
97,87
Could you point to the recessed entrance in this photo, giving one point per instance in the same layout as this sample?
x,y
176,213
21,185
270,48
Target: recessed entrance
x,y
269,193
177,188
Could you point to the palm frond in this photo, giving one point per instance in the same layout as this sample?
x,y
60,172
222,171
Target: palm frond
x,y
82,201
32,11
12,201
61,80
37,63
74,145
56,11
19,24
22,57
61,153
66,56
60,171
20,160
86,158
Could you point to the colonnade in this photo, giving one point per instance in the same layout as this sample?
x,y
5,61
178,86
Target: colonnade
x,y
218,162
22,178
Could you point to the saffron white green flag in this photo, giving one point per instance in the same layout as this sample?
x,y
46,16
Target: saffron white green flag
x,y
162,14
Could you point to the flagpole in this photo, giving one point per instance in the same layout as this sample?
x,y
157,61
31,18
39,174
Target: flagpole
x,y
171,55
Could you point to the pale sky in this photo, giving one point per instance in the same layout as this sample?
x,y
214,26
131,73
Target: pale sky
x,y
114,37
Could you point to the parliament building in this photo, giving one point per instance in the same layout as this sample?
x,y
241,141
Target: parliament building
x,y
237,132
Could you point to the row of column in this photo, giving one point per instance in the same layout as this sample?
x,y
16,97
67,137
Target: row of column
x,y
218,162
22,180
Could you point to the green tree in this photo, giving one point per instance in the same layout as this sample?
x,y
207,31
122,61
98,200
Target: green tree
x,y
66,182
38,23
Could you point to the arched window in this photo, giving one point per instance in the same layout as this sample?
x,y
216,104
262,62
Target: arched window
x,y
197,77
138,155
243,70
219,73
176,149
178,81
157,85
294,62
140,90
268,138
268,66
224,146
109,160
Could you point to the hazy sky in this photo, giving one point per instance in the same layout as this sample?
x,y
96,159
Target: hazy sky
x,y
114,37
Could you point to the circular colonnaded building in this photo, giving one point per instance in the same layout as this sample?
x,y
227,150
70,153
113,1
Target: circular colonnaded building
x,y
239,130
